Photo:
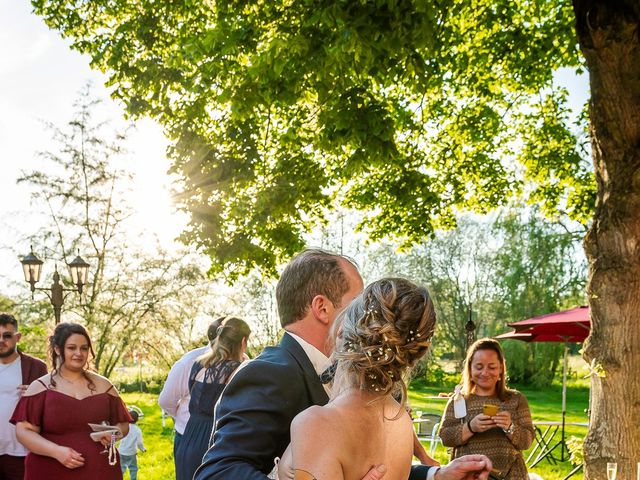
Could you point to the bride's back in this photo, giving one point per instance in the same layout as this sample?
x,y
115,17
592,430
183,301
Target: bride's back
x,y
351,434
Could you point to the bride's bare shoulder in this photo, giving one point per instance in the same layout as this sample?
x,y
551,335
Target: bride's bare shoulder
x,y
314,427
315,419
310,415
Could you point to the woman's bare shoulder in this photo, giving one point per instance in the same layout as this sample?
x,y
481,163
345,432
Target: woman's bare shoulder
x,y
103,384
323,421
38,386
314,427
311,416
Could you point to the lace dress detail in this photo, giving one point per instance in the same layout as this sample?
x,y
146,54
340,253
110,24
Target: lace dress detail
x,y
205,392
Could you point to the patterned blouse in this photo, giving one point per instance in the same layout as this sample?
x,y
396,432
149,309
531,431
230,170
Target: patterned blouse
x,y
505,451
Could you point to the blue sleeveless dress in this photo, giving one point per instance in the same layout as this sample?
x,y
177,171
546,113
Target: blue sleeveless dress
x,y
204,395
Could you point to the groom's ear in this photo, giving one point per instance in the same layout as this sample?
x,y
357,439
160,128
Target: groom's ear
x,y
321,308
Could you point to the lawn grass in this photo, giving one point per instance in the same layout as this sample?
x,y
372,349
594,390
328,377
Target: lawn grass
x,y
157,462
545,405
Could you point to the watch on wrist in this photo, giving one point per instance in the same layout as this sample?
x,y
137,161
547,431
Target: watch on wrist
x,y
469,427
511,429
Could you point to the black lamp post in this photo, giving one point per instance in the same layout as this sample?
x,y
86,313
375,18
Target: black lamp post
x,y
470,328
32,267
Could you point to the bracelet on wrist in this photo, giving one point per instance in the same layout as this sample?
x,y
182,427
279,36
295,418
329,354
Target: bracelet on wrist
x,y
509,430
469,427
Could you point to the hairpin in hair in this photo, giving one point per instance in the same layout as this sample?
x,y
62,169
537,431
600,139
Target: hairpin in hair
x,y
348,346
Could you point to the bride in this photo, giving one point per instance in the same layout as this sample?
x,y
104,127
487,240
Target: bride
x,y
379,338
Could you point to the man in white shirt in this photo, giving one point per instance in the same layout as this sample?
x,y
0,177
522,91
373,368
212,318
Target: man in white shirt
x,y
17,371
175,395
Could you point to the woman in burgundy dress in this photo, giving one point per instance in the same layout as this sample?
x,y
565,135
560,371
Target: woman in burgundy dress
x,y
52,418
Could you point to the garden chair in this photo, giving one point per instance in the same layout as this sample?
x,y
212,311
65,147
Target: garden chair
x,y
428,425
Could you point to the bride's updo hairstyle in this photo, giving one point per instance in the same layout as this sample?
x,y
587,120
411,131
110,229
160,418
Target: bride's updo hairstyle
x,y
381,335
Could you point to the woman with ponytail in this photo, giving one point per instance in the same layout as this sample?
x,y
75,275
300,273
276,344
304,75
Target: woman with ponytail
x,y
209,375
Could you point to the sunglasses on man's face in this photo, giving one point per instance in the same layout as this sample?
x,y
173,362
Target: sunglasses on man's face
x,y
8,335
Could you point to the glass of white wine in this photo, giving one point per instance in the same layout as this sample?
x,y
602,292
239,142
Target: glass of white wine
x,y
612,470
638,471
418,414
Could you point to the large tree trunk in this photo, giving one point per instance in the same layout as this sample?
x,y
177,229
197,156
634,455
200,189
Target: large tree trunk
x,y
608,32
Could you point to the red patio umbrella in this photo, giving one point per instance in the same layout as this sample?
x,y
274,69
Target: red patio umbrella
x,y
574,323
568,326
541,337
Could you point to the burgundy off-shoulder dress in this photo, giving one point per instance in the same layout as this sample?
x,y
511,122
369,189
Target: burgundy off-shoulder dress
x,y
64,420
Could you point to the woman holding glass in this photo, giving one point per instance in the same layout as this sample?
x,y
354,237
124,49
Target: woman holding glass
x,y
497,421
53,416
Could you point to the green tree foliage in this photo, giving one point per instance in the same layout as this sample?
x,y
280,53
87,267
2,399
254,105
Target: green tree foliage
x,y
32,315
457,265
539,270
539,264
406,110
253,298
6,304
32,340
502,269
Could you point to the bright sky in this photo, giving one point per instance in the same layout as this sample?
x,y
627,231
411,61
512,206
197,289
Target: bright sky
x,y
40,77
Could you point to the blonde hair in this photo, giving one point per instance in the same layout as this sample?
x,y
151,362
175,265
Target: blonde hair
x,y
468,385
228,342
382,334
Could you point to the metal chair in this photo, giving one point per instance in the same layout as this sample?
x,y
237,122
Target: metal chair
x,y
428,426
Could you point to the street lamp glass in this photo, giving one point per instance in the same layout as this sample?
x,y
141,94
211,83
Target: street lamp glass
x,y
32,267
79,271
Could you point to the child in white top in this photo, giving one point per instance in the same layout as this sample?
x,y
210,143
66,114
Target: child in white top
x,y
129,446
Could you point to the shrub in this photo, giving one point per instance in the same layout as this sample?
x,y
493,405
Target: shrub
x,y
532,364
148,385
432,373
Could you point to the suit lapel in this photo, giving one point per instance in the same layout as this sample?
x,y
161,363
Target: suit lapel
x,y
316,389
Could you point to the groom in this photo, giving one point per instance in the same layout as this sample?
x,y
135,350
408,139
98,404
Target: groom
x,y
255,411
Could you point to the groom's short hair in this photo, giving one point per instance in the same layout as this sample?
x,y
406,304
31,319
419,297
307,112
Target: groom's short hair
x,y
312,272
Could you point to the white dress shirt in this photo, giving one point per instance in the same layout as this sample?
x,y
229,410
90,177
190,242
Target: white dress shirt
x,y
318,359
431,474
175,395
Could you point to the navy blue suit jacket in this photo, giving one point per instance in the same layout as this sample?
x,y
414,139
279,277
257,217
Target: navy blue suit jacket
x,y
255,412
